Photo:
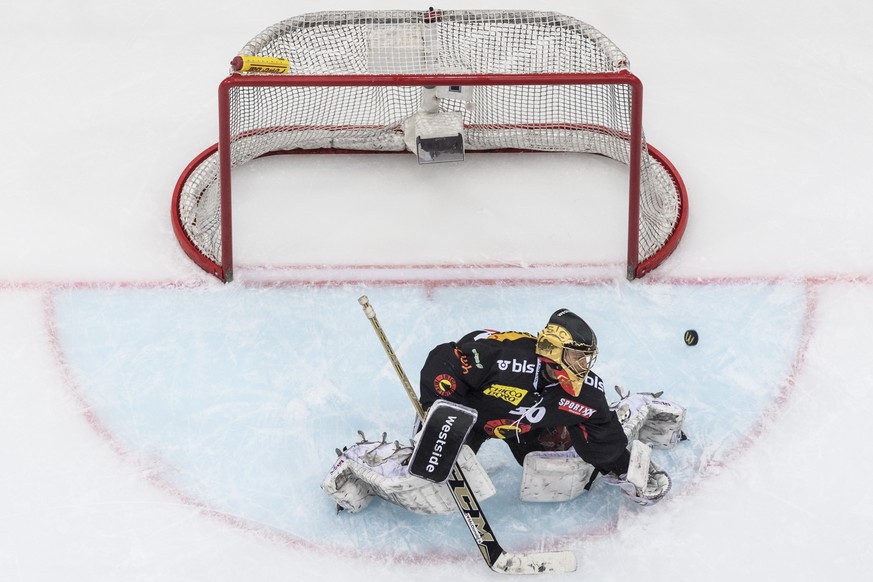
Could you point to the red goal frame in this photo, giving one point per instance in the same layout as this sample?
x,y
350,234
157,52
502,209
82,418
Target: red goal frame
x,y
636,267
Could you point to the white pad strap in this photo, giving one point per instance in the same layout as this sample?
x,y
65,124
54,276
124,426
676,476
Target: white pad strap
x,y
554,476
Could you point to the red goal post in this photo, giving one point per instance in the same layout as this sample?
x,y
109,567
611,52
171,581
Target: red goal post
x,y
368,81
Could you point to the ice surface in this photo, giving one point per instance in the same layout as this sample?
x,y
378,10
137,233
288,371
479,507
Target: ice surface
x,y
157,425
243,412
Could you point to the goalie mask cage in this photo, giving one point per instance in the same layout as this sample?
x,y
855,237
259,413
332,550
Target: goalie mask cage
x,y
531,81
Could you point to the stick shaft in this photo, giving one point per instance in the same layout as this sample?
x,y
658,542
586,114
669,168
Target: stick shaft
x,y
371,315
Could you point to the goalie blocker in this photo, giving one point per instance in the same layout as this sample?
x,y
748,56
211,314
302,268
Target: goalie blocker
x,y
439,443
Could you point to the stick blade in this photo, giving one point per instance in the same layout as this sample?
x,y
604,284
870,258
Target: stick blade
x,y
535,563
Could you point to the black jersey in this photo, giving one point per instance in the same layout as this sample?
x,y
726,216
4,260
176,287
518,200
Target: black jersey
x,y
500,375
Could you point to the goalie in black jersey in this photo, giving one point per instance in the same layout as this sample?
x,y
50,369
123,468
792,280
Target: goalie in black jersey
x,y
539,395
525,388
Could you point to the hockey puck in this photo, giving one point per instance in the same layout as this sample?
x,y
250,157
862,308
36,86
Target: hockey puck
x,y
691,337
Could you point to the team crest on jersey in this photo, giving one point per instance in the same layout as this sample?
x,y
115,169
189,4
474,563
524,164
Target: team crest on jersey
x,y
509,394
445,385
503,428
576,408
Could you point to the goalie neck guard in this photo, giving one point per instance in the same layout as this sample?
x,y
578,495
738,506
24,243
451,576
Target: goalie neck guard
x,y
569,347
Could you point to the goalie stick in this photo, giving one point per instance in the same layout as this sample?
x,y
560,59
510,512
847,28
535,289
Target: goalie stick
x,y
494,555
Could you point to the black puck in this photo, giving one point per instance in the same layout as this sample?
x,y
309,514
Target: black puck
x,y
691,337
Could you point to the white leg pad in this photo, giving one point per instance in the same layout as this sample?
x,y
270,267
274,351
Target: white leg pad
x,y
638,468
663,426
343,486
366,470
551,476
649,418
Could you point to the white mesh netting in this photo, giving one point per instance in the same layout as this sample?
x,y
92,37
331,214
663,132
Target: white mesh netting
x,y
576,117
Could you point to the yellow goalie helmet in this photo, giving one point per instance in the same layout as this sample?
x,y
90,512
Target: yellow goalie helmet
x,y
569,347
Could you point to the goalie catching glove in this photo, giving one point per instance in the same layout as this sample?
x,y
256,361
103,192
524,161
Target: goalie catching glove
x,y
644,483
648,421
380,469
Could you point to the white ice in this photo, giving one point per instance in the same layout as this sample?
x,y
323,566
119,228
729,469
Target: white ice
x,y
158,425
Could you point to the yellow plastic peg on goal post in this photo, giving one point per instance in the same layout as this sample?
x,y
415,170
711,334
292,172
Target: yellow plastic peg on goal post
x,y
252,64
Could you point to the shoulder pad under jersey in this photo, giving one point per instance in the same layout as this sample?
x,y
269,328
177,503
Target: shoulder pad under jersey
x,y
504,336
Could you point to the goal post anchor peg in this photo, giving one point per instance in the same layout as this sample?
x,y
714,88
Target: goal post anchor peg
x,y
431,150
434,135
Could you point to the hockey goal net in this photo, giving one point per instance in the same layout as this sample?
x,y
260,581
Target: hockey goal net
x,y
369,81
